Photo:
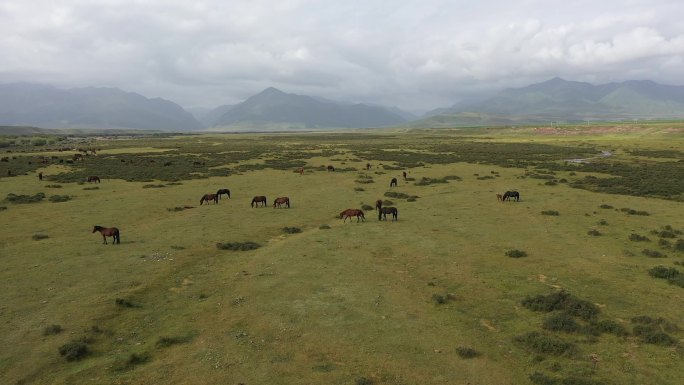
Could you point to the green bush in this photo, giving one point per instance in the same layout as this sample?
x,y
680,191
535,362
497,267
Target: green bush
x,y
562,300
13,198
164,342
545,344
38,237
638,238
593,232
563,322
679,245
550,212
59,198
605,206
466,353
74,350
52,330
516,253
653,253
292,230
366,207
238,246
324,227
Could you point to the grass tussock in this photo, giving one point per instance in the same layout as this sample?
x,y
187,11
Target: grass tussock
x,y
52,330
545,344
165,342
550,212
564,301
670,274
59,198
75,350
291,230
38,237
23,199
466,352
515,253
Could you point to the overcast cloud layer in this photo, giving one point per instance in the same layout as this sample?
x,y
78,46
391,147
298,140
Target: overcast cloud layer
x,y
414,54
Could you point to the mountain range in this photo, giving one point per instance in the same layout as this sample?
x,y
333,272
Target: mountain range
x,y
562,100
24,104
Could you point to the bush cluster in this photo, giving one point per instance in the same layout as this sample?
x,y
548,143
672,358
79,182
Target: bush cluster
x,y
562,300
238,246
516,253
14,198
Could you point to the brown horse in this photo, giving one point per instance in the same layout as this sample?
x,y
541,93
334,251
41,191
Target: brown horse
x,y
404,173
281,201
300,171
259,199
378,205
348,213
209,197
499,197
40,176
108,232
94,178
368,166
331,168
393,182
223,191
388,210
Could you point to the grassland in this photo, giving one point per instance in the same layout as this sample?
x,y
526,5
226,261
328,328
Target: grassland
x,y
437,297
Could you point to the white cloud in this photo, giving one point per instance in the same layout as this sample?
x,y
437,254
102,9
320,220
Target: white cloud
x,y
414,54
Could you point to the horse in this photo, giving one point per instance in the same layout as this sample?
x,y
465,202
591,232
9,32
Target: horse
x,y
108,232
94,178
40,176
388,210
259,199
404,173
511,194
223,191
393,182
300,171
331,168
281,201
348,213
378,205
499,197
209,197
368,166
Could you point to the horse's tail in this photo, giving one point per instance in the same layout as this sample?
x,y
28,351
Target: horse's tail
x,y
117,236
201,201
379,215
288,202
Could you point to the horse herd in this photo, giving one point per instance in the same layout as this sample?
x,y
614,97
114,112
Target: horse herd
x,y
285,201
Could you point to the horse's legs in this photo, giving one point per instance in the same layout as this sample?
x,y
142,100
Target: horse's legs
x,y
104,239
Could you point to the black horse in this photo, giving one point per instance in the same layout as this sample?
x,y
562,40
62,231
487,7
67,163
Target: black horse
x,y
223,191
511,194
393,182
388,210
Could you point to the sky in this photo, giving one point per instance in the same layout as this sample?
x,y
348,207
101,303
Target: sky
x,y
417,55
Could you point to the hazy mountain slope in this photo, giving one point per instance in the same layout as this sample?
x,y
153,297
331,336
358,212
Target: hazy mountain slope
x,y
50,107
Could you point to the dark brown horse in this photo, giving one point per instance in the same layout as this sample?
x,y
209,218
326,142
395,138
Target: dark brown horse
x,y
368,166
281,201
223,191
511,194
331,168
348,213
388,210
393,182
108,232
404,173
40,176
378,205
94,178
300,171
259,199
209,197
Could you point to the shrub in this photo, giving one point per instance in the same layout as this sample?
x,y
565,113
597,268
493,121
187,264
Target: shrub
x,y
74,350
366,207
292,230
664,243
602,222
563,322
593,232
516,253
653,253
605,206
359,189
124,302
398,195
52,329
638,238
562,300
164,342
324,227
53,186
363,381
133,360
387,203
542,379
612,327
13,198
91,188
153,186
3,208
544,344
671,274
466,353
550,212
38,237
441,299
679,246
59,198
238,246
651,334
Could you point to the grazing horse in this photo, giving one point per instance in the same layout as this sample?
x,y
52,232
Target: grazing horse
x,y
393,182
404,173
281,201
511,194
348,213
259,199
108,232
388,210
40,176
209,197
300,171
378,205
331,168
223,191
94,178
368,166
499,197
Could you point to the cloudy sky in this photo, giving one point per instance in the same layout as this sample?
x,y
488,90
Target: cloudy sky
x,y
417,55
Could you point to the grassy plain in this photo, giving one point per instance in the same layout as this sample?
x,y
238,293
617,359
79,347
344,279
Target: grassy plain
x,y
356,303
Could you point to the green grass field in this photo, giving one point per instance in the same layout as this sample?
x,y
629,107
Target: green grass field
x,y
430,299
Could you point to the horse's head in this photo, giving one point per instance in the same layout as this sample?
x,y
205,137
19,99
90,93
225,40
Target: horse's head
x,y
96,228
